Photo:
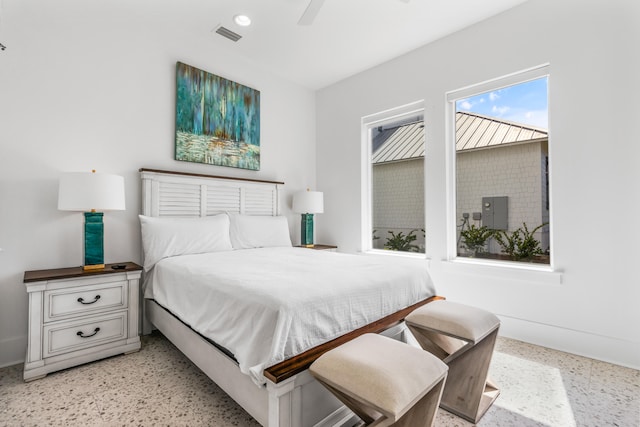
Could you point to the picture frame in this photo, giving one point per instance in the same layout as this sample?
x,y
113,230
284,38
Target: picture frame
x,y
217,120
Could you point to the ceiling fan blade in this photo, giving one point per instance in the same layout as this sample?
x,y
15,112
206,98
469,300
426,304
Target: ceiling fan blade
x,y
310,12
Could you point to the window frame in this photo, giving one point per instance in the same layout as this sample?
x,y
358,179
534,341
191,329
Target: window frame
x,y
451,98
367,123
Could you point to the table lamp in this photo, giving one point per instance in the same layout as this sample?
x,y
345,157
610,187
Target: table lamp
x,y
307,203
90,192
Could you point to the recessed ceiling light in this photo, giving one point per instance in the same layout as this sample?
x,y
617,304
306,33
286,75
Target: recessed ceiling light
x,y
242,20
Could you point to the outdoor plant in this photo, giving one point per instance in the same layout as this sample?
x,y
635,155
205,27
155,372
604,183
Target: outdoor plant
x,y
475,238
401,242
520,244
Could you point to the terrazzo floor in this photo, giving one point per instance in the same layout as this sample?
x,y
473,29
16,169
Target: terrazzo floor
x,y
159,386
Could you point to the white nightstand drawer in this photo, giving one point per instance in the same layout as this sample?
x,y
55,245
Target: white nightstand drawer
x,y
81,300
63,337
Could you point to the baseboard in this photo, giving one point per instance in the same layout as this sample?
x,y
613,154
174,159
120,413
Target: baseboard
x,y
12,351
599,347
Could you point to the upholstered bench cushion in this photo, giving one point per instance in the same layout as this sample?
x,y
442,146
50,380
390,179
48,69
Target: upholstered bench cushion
x,y
389,375
454,319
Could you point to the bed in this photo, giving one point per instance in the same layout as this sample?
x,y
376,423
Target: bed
x,y
254,331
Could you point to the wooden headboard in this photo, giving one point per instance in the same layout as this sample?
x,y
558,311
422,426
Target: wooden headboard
x,y
180,194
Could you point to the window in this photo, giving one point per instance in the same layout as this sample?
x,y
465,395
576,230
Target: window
x,y
393,147
501,167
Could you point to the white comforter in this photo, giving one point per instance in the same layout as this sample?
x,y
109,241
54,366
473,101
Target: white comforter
x,y
266,305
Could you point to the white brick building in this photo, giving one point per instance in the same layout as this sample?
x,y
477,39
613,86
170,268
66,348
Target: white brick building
x,y
494,159
398,200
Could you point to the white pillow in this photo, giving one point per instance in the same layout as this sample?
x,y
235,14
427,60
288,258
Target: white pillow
x,y
167,237
258,231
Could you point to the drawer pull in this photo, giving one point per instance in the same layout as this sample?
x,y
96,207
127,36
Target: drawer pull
x,y
81,300
82,335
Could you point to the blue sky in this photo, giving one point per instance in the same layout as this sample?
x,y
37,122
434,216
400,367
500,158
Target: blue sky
x,y
522,103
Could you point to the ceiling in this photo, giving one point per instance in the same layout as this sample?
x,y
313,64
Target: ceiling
x,y
346,37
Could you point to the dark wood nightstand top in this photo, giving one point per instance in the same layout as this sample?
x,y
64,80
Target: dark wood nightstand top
x,y
66,273
318,247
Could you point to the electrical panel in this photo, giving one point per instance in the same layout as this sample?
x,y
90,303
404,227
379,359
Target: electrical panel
x,y
495,212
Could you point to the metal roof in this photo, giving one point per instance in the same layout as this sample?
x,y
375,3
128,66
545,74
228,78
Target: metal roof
x,y
401,143
473,132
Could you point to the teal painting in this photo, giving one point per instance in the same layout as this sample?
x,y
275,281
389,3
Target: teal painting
x,y
217,120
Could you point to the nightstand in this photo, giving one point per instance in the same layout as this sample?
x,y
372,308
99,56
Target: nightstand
x,y
330,248
78,316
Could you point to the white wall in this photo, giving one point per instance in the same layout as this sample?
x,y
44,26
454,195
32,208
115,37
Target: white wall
x,y
594,151
90,85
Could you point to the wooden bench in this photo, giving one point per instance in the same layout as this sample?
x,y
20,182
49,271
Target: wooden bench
x,y
464,338
384,381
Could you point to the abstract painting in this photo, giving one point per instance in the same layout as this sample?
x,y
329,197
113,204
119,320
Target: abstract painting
x,y
217,120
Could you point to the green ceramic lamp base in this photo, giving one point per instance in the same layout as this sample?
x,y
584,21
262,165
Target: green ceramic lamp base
x,y
93,241
306,228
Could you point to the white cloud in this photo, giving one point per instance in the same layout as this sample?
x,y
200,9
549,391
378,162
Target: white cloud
x,y
532,117
499,110
493,96
465,105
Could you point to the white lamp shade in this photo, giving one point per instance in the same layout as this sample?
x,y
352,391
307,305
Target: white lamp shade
x,y
308,202
86,191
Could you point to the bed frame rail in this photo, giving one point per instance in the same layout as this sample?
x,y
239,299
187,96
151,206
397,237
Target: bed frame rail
x,y
301,362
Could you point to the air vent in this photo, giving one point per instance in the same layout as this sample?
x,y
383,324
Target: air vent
x,y
225,32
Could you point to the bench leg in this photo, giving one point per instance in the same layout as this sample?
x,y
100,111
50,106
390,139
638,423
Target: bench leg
x,y
423,413
468,393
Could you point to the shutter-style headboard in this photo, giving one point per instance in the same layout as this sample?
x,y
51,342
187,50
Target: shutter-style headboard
x,y
179,194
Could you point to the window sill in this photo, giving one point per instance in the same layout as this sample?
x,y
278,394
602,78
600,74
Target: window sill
x,y
543,274
400,254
